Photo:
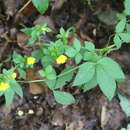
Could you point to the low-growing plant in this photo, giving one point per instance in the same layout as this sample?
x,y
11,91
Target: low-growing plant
x,y
91,66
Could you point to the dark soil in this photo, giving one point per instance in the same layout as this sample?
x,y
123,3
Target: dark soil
x,y
92,110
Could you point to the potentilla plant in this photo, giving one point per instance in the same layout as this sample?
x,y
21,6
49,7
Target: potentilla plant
x,y
92,67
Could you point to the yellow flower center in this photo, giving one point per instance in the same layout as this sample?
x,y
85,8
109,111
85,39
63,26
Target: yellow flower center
x,y
61,59
31,60
4,86
14,75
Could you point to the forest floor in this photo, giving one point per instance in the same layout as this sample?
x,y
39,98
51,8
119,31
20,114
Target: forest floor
x,y
92,111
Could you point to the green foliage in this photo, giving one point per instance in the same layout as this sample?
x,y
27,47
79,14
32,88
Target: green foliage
x,y
64,35
63,97
125,104
127,7
41,5
9,86
36,32
91,66
48,73
122,29
128,127
85,73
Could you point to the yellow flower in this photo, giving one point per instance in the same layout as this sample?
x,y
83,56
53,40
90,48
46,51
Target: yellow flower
x,y
61,59
4,86
14,75
31,60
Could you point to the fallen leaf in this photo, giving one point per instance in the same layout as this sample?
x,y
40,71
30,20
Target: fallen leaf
x,y
35,87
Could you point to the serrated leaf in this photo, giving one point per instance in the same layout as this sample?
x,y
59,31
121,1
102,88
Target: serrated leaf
x,y
78,58
27,31
50,83
121,26
85,73
64,97
112,69
77,44
61,81
48,69
51,76
89,46
117,41
125,104
41,5
16,88
128,127
91,56
42,73
70,51
125,37
22,73
127,6
106,83
9,95
91,84
37,54
16,57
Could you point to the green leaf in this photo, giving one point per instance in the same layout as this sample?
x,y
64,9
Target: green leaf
x,y
70,51
27,31
17,58
106,83
51,76
78,58
125,37
91,56
41,5
123,129
50,83
112,69
16,88
77,44
61,81
117,41
91,84
127,6
125,104
64,97
48,69
89,46
121,26
42,73
37,54
128,127
85,73
1,93
22,73
9,95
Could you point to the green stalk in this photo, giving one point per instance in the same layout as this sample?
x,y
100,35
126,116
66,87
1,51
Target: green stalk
x,y
60,75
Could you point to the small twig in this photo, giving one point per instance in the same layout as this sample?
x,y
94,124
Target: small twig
x,y
24,6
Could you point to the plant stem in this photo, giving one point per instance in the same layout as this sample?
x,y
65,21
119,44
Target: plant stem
x,y
75,68
31,81
24,6
60,75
